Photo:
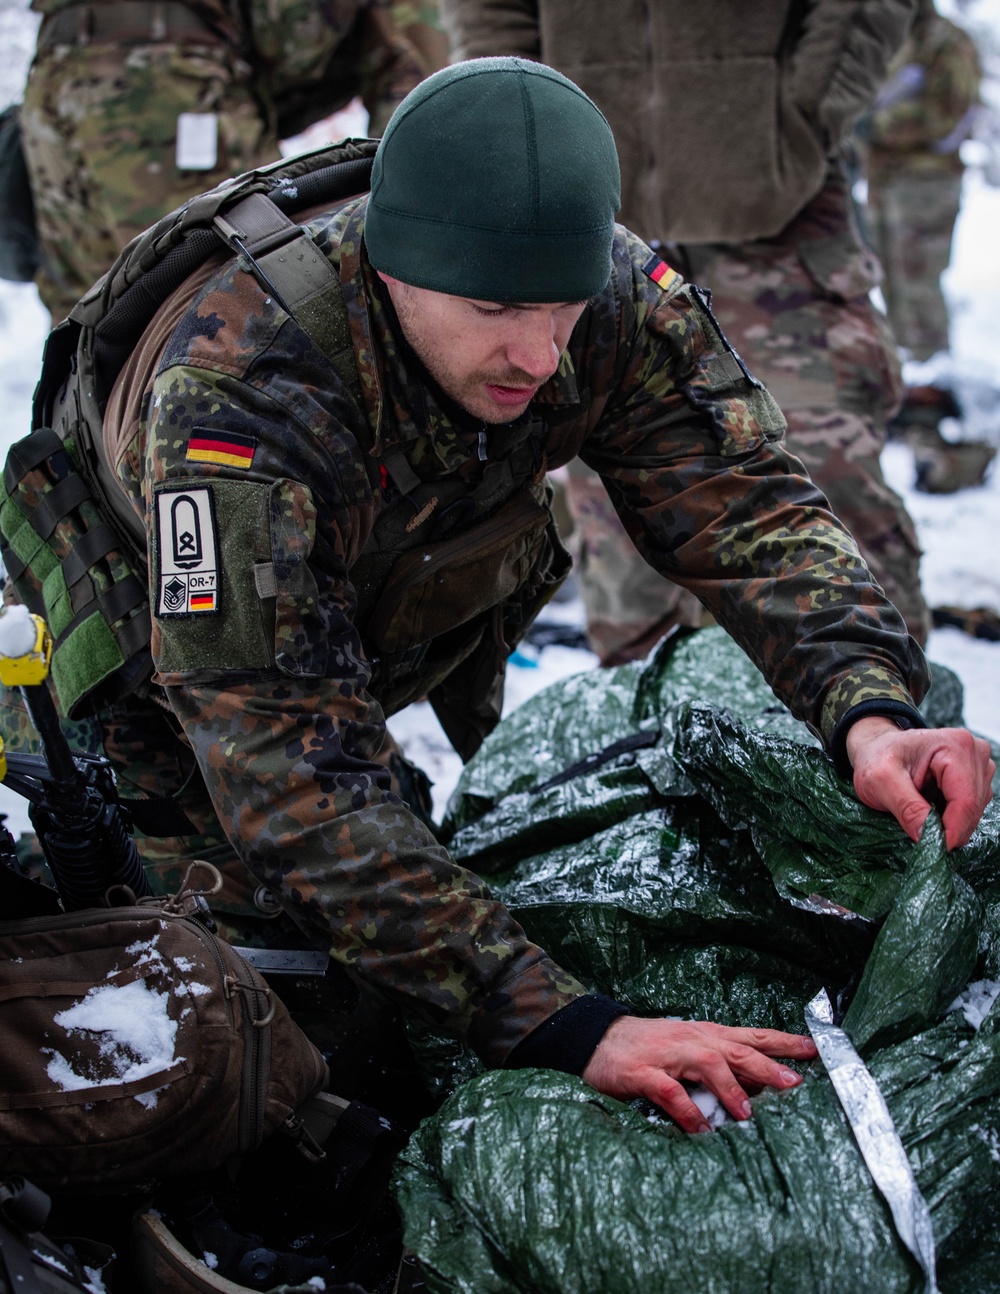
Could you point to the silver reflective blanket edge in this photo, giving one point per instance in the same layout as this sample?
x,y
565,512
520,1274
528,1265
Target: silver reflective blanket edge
x,y
876,1135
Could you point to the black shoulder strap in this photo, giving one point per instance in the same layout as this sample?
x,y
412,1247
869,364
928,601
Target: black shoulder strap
x,y
288,265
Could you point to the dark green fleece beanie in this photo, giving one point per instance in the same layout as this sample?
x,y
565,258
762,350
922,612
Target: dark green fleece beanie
x,y
496,179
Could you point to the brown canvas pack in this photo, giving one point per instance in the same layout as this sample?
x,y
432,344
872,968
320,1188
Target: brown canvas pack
x,y
137,1045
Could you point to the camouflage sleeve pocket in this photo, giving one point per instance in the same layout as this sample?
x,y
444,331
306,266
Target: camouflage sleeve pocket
x,y
209,538
744,412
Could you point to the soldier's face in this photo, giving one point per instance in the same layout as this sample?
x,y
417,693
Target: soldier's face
x,y
490,357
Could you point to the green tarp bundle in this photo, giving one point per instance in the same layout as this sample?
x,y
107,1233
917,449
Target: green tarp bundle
x,y
704,860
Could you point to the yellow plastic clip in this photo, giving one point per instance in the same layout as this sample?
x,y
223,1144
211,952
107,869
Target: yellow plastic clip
x,y
25,648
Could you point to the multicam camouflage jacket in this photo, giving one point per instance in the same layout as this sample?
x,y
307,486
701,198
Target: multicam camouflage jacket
x,y
257,464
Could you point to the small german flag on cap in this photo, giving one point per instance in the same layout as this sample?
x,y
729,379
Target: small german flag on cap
x,y
226,448
660,272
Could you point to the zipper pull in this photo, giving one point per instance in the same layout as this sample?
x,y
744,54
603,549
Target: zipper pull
x,y
482,444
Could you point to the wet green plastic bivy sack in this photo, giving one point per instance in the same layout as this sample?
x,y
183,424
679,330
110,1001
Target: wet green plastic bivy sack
x,y
705,861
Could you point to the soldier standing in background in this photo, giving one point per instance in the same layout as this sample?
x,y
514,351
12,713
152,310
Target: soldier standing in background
x,y
921,116
133,106
912,138
729,121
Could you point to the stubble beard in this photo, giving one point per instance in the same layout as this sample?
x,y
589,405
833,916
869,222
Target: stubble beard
x,y
468,391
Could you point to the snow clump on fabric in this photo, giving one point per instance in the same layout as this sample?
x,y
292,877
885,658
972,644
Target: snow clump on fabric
x,y
133,1030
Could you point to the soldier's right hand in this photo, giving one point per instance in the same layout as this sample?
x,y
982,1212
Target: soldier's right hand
x,y
653,1058
895,770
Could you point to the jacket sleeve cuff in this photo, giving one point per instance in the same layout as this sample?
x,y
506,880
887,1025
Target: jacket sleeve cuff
x,y
566,1040
903,715
874,681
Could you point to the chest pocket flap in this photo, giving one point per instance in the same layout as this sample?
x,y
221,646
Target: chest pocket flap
x,y
439,586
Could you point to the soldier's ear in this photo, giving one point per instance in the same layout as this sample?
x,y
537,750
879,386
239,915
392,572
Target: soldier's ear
x,y
387,279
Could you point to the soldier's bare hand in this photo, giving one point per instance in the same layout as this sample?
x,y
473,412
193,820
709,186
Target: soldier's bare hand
x,y
895,769
650,1058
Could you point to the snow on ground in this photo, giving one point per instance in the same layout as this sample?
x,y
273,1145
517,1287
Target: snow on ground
x,y
419,733
18,26
958,532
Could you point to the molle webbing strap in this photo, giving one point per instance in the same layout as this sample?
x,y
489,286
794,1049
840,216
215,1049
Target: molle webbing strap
x,y
100,619
28,454
126,21
94,545
121,599
13,565
57,504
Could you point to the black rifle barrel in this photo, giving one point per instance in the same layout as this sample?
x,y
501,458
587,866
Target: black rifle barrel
x,y
80,826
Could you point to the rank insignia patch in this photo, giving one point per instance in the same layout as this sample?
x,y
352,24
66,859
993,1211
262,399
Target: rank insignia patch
x,y
226,448
660,272
187,578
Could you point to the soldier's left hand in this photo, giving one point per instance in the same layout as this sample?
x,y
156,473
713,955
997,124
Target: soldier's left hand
x,y
894,769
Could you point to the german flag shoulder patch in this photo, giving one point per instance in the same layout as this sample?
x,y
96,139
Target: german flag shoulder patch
x,y
660,272
224,448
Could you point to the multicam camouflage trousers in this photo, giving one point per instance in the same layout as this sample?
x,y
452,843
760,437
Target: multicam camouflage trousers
x,y
100,126
796,309
911,219
100,115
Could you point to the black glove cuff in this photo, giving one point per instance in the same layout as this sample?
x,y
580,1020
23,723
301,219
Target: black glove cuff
x,y
566,1040
902,715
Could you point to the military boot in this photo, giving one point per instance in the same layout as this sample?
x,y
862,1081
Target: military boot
x,y
942,466
978,622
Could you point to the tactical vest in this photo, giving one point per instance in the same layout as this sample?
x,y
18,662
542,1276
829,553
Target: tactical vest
x,y
451,574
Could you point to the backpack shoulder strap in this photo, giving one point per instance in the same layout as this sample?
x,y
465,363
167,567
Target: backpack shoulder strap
x,y
251,215
288,265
